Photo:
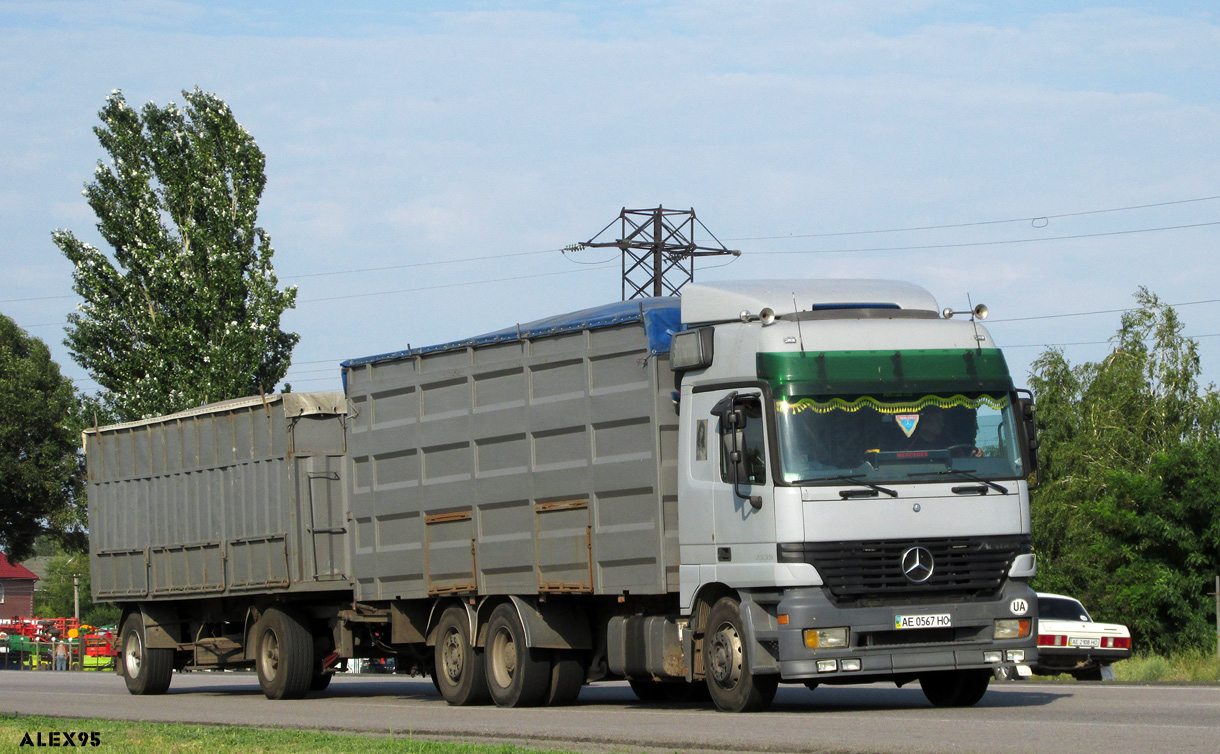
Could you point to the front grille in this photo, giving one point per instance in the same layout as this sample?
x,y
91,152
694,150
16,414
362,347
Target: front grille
x,y
964,566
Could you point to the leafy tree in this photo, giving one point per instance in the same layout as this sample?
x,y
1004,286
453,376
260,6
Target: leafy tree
x,y
56,595
40,474
1126,516
188,311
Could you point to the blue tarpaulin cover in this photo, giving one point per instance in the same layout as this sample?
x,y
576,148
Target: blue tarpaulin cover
x,y
662,318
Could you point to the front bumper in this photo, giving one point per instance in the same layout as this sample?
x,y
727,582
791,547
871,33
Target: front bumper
x,y
883,651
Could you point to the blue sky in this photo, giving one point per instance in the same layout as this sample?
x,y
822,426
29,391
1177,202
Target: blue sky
x,y
407,133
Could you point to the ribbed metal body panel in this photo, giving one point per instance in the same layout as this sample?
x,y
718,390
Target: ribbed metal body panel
x,y
532,466
232,498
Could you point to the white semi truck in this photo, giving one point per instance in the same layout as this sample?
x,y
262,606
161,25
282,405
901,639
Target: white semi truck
x,y
811,482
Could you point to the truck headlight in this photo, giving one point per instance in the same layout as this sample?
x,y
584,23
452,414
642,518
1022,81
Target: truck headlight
x,y
1012,628
826,638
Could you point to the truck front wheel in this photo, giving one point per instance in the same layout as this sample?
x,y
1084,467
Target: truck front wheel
x,y
730,680
517,676
284,655
146,671
458,668
955,688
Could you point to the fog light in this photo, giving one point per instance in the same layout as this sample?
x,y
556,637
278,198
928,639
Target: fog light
x,y
849,665
826,638
993,657
1012,628
1016,655
828,666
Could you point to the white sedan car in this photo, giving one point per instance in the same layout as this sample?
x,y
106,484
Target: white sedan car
x,y
1070,642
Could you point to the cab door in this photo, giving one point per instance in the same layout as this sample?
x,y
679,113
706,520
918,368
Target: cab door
x,y
744,496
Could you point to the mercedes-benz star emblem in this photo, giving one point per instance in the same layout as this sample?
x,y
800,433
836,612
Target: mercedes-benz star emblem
x,y
917,564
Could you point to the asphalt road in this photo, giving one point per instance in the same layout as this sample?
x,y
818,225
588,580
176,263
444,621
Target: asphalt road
x,y
1013,717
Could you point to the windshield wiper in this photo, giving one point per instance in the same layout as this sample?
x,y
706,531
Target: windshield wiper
x,y
848,478
997,487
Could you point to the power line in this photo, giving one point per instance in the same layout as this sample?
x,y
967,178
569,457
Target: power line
x,y
946,226
1100,311
448,285
421,264
483,258
1095,342
407,290
1032,220
927,247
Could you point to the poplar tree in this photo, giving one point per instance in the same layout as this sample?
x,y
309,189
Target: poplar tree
x,y
187,307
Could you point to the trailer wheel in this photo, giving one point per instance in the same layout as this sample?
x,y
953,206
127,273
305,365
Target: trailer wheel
x,y
458,669
517,676
567,677
284,655
730,680
146,671
955,688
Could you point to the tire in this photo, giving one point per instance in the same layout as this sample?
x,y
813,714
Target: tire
x,y
283,655
730,680
517,676
567,677
1088,674
320,681
955,688
459,665
145,671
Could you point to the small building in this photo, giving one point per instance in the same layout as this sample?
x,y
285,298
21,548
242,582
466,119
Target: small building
x,y
16,590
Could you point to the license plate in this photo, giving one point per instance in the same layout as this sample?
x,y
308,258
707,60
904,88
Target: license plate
x,y
1081,641
940,620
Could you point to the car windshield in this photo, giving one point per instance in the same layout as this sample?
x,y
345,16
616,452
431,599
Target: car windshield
x,y
1062,608
897,438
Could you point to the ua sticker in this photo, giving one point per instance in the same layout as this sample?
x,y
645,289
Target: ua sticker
x,y
907,423
1018,607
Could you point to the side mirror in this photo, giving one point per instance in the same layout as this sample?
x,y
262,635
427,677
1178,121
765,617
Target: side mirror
x,y
732,418
1028,432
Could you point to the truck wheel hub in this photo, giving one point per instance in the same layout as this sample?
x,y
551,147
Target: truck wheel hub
x,y
726,657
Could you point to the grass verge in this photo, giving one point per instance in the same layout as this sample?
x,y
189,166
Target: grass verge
x,y
1192,666
115,736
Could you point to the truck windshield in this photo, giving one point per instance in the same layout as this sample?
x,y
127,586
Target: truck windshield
x,y
896,438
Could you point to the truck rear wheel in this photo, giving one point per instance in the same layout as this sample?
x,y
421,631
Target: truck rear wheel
x,y
284,655
955,688
458,670
517,676
145,671
567,677
730,679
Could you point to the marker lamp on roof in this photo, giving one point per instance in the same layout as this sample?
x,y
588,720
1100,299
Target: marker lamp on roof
x,y
692,349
